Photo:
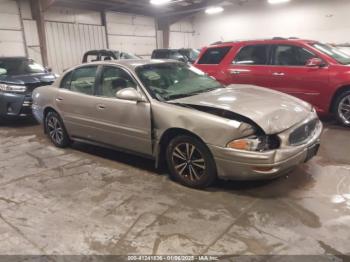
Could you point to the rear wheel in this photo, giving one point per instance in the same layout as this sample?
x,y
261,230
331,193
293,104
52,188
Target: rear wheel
x,y
342,108
190,162
56,131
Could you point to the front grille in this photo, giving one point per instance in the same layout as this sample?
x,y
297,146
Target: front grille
x,y
303,133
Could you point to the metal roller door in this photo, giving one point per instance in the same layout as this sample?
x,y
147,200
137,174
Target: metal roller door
x,y
67,42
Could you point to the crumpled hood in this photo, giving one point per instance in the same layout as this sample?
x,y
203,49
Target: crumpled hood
x,y
273,111
27,79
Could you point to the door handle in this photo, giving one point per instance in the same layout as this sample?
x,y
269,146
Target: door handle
x,y
235,72
101,107
279,74
59,99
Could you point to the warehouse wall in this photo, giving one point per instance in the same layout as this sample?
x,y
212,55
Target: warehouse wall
x,y
324,20
70,33
11,34
131,33
182,34
30,30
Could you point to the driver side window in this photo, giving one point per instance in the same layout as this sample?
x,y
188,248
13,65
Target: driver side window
x,y
288,55
113,80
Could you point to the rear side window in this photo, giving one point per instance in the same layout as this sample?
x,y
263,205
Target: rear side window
x,y
214,56
83,80
65,83
252,55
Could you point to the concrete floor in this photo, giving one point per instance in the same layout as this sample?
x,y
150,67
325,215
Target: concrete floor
x,y
89,200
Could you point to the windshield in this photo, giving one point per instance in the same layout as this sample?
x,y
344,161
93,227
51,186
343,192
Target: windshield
x,y
168,81
20,67
334,52
194,55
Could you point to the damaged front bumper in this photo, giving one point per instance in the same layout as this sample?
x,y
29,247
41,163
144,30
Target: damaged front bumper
x,y
247,165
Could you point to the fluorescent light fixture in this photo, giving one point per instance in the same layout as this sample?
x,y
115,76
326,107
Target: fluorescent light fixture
x,y
277,1
160,2
212,10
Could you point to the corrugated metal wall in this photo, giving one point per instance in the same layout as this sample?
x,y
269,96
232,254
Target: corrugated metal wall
x,y
11,35
131,33
68,42
182,35
69,34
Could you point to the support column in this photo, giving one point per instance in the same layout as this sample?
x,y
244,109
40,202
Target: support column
x,y
38,8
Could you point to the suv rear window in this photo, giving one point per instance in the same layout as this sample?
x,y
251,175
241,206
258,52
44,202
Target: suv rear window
x,y
214,56
252,55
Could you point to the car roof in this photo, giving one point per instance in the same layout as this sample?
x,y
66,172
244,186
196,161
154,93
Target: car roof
x,y
132,63
13,58
261,41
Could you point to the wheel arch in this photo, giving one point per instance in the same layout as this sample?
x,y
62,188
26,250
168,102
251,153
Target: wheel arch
x,y
45,112
339,91
165,139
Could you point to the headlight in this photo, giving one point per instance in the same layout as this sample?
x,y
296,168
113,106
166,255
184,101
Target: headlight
x,y
256,143
12,88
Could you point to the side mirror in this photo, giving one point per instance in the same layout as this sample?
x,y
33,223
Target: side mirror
x,y
315,62
130,94
3,71
183,60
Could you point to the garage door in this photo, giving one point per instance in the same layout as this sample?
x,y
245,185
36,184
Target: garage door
x,y
11,34
67,42
131,33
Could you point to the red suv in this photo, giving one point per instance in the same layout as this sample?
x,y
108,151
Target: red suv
x,y
312,71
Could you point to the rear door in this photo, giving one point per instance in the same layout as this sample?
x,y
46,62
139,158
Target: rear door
x,y
75,101
211,62
250,65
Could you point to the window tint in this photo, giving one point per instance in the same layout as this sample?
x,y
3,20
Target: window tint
x,y
287,55
83,80
159,54
214,56
65,83
252,55
113,80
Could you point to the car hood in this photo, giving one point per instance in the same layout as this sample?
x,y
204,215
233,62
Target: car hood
x,y
45,78
272,111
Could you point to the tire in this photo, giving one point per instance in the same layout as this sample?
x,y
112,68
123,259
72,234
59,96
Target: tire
x,y
342,108
190,162
56,131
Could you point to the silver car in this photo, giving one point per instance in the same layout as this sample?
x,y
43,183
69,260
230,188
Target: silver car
x,y
175,114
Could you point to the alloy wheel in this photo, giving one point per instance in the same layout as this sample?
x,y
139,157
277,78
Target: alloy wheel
x,y
55,130
344,109
188,161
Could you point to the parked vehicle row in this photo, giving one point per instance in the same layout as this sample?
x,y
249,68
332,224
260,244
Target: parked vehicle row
x,y
312,71
172,111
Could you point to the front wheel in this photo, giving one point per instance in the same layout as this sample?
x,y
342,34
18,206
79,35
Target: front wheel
x,y
342,108
190,162
56,130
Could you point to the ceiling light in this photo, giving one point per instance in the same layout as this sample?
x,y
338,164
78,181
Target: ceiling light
x,y
160,2
212,10
277,1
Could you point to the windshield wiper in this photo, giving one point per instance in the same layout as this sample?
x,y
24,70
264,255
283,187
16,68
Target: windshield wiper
x,y
177,96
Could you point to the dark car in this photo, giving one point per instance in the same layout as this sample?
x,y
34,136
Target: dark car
x,y
19,76
186,55
106,55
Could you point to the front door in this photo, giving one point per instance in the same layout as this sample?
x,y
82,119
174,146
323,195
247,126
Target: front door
x,y
289,74
124,124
